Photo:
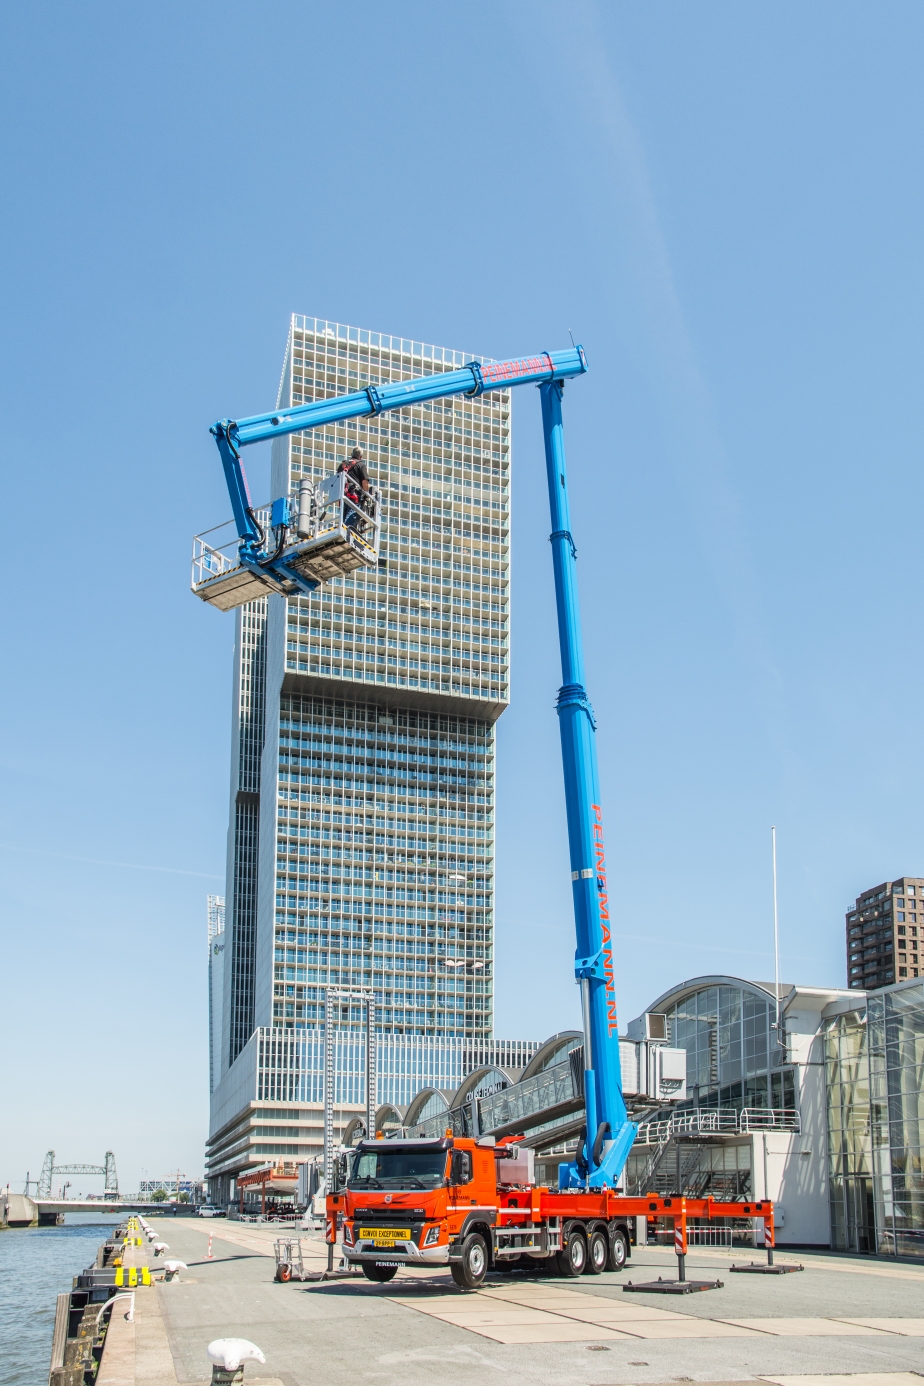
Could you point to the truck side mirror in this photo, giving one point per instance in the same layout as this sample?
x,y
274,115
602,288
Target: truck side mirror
x,y
460,1169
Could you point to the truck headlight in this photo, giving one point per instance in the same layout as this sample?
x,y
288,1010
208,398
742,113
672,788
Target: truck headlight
x,y
433,1236
348,1233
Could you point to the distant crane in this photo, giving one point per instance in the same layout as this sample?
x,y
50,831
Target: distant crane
x,y
107,1169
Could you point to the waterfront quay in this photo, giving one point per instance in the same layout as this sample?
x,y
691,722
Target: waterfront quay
x,y
855,1317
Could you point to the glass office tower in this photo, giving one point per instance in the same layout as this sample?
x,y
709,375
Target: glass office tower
x,y
361,836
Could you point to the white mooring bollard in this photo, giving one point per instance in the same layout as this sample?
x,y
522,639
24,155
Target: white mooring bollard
x,y
227,1356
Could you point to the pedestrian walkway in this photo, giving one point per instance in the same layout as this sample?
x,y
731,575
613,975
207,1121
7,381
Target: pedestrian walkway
x,y
841,1322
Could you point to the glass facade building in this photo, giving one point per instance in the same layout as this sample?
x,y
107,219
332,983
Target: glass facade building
x,y
875,1083
270,1106
752,1122
361,827
216,940
361,843
734,1060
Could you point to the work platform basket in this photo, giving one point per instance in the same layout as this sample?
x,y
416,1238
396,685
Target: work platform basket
x,y
316,534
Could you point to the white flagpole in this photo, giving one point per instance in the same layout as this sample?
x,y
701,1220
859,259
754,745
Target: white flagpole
x,y
776,940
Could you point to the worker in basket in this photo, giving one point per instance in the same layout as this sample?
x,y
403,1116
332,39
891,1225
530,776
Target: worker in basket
x,y
357,483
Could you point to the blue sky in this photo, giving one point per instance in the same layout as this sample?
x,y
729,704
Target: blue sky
x,y
724,203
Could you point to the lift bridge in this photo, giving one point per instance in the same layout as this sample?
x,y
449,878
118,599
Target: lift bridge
x,y
107,1169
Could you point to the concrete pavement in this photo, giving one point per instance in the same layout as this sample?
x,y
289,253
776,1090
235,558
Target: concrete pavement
x,y
850,1316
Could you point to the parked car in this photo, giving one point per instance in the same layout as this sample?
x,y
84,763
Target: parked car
x,y
205,1210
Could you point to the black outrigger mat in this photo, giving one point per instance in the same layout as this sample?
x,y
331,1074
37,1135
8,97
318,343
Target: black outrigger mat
x,y
754,1269
671,1287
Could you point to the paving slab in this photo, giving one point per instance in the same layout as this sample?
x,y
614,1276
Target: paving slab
x,y
687,1327
551,1332
577,1332
910,1328
808,1328
852,1379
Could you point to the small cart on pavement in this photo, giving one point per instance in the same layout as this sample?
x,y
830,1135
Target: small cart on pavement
x,y
290,1264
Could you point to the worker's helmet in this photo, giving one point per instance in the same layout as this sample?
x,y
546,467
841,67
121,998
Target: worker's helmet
x,y
357,452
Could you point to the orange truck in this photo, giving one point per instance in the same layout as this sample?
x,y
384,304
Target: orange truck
x,y
473,1205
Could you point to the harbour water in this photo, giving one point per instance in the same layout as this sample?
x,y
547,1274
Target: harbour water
x,y
36,1265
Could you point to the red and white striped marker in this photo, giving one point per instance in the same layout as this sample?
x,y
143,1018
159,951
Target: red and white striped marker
x,y
210,1256
678,1239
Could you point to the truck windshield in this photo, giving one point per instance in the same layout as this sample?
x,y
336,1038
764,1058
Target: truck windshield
x,y
399,1169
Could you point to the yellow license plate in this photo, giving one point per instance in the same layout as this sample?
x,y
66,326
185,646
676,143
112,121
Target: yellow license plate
x,y
384,1236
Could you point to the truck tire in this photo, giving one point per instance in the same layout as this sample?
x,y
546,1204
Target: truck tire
x,y
380,1274
598,1251
619,1249
572,1259
470,1271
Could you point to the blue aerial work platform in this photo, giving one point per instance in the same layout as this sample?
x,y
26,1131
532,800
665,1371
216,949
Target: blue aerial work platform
x,y
309,537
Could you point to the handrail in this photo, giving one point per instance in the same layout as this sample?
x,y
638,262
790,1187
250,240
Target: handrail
x,y
718,1121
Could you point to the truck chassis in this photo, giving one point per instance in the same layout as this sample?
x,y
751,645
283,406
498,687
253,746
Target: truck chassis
x,y
576,1233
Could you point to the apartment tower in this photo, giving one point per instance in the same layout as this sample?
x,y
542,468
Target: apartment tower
x,y
882,934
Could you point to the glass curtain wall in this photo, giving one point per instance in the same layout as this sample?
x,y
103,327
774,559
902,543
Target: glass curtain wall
x,y
733,1058
850,1169
896,1092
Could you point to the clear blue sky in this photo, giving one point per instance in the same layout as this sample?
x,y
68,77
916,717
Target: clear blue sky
x,y
724,202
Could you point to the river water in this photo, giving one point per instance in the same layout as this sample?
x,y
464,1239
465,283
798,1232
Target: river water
x,y
36,1265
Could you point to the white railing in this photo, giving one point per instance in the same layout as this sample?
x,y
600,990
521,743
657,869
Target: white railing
x,y
328,511
719,1121
770,1119
708,1236
333,510
219,555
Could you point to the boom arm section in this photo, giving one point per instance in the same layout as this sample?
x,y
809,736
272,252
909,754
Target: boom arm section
x,y
609,1133
328,540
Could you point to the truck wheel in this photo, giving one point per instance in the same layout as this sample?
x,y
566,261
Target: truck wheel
x,y
619,1249
380,1274
572,1259
473,1267
598,1251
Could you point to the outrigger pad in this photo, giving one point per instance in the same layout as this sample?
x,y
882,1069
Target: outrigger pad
x,y
672,1287
754,1269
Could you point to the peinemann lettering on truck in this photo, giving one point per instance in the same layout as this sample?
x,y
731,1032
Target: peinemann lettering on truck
x,y
604,915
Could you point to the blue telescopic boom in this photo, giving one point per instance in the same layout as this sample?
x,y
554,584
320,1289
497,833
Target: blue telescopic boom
x,y
474,379
609,1134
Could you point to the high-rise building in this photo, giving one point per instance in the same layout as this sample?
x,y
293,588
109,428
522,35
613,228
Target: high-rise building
x,y
361,836
216,936
882,934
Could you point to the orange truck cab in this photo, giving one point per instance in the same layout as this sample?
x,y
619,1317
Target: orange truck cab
x,y
469,1204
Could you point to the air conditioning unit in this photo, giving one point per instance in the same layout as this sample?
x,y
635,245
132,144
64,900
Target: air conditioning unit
x,y
670,1073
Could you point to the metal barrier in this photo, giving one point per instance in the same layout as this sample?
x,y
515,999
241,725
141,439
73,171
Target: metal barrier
x,y
718,1121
